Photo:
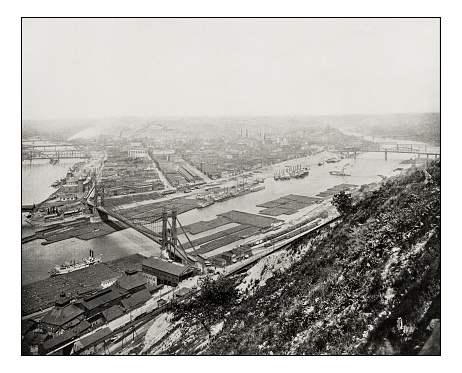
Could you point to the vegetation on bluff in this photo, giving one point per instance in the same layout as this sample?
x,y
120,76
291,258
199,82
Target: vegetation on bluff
x,y
370,285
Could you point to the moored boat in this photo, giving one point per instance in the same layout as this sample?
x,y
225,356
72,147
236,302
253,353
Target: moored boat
x,y
340,173
68,267
205,203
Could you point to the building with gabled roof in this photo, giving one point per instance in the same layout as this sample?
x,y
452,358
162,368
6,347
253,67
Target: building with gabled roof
x,y
136,299
112,313
167,272
93,305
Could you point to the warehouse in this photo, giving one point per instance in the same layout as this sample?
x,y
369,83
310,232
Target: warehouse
x,y
166,272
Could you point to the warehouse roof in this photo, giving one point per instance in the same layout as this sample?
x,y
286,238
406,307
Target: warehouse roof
x,y
113,313
57,341
90,339
102,298
166,266
136,299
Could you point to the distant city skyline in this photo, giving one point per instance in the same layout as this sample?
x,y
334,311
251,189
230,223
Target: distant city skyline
x,y
106,68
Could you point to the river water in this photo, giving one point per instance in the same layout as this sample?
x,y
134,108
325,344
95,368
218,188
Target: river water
x,y
38,175
38,259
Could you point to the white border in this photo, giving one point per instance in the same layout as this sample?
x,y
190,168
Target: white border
x,y
450,129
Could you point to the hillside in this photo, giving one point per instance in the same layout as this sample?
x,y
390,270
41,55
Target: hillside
x,y
370,285
424,127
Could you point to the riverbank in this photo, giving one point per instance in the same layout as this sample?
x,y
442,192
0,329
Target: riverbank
x,y
370,285
38,259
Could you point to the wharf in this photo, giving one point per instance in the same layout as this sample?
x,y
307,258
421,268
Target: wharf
x,y
42,294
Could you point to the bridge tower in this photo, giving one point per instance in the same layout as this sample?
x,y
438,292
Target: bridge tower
x,y
98,215
164,229
174,231
169,240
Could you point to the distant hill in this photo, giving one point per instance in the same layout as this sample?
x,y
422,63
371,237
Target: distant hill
x,y
414,127
421,127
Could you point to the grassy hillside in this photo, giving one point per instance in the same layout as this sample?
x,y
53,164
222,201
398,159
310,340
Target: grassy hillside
x,y
368,286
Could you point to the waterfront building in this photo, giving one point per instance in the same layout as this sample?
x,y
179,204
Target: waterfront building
x,y
166,272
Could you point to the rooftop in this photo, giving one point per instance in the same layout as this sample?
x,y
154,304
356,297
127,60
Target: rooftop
x,y
131,280
166,266
61,315
113,313
136,299
57,341
86,341
101,298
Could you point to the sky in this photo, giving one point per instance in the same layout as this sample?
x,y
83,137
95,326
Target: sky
x,y
95,68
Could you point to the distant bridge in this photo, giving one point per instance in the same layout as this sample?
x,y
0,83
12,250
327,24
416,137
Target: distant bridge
x,y
58,154
45,146
398,148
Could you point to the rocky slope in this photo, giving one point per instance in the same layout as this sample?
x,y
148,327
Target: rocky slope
x,y
370,285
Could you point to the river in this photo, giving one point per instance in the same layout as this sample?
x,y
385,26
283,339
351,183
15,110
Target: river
x,y
37,259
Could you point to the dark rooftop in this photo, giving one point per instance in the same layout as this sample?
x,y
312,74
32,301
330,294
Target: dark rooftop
x,y
86,341
113,313
165,266
136,299
57,341
61,315
102,298
131,280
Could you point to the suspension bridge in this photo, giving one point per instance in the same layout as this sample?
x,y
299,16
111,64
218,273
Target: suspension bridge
x,y
163,228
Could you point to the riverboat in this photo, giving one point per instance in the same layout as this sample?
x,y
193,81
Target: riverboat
x,y
340,173
68,267
205,204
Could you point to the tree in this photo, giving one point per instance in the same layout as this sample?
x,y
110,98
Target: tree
x,y
342,202
214,300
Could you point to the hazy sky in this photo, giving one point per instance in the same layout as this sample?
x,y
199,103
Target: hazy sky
x,y
74,68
